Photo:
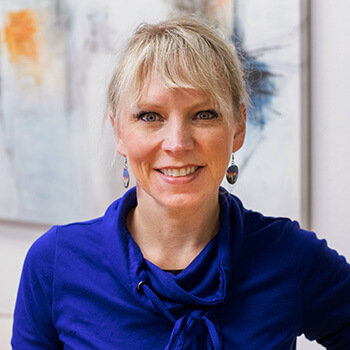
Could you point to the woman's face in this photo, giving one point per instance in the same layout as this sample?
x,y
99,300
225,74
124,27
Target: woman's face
x,y
178,145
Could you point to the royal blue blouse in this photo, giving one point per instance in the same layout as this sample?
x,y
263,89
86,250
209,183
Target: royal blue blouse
x,y
258,284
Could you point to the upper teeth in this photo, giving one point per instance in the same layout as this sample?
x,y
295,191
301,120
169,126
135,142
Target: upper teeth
x,y
179,172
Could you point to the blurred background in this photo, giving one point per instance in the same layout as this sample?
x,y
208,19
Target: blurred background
x,y
57,158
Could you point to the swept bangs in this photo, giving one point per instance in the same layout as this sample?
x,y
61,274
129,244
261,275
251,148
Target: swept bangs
x,y
183,52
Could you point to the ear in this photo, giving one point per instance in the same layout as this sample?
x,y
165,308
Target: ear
x,y
111,118
119,142
240,130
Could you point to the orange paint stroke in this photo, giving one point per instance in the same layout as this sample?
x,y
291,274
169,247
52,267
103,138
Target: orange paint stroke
x,y
21,35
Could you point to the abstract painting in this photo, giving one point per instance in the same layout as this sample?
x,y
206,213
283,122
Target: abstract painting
x,y
57,156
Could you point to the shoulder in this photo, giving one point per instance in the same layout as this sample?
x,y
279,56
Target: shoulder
x,y
305,246
41,253
251,220
262,231
79,237
255,225
44,248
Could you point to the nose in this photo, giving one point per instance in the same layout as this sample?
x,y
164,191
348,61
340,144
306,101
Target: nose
x,y
178,136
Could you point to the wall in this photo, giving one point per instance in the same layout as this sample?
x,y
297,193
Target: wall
x,y
330,125
330,150
330,106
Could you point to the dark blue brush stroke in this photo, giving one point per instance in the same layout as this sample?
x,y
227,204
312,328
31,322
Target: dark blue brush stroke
x,y
260,82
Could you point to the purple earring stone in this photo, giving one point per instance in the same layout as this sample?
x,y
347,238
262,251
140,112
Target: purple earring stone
x,y
126,175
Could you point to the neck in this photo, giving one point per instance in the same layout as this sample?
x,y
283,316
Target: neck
x,y
172,238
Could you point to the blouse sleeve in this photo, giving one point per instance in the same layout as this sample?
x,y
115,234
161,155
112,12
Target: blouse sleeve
x,y
33,324
324,278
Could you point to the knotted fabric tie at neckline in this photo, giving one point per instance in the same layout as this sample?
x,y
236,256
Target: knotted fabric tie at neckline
x,y
184,325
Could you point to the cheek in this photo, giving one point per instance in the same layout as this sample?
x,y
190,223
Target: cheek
x,y
136,152
221,143
218,149
140,153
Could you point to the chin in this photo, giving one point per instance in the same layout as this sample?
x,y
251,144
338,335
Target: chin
x,y
188,200
177,197
181,202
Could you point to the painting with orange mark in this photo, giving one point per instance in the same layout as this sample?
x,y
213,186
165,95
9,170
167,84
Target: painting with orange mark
x,y
56,58
21,36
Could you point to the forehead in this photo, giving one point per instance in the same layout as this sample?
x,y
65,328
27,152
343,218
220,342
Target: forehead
x,y
156,92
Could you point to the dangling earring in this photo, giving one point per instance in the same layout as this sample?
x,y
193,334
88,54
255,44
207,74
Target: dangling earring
x,y
126,176
232,172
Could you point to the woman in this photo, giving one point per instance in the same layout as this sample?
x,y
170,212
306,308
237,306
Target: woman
x,y
177,262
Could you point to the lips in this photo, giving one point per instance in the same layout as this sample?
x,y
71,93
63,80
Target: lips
x,y
179,172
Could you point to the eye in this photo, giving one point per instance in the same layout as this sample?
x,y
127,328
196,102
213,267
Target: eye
x,y
148,117
207,115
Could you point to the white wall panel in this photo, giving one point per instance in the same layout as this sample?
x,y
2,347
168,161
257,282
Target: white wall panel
x,y
330,130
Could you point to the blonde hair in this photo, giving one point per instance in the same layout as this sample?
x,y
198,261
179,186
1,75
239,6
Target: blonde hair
x,y
185,52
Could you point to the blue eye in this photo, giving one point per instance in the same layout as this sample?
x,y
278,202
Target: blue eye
x,y
149,117
207,115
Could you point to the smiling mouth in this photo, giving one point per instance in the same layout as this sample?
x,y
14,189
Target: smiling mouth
x,y
179,172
